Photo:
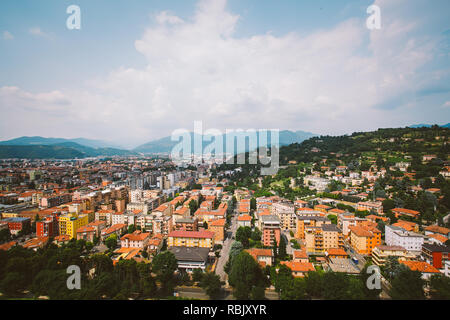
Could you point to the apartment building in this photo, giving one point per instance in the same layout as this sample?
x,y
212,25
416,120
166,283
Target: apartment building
x,y
69,224
286,213
271,230
381,253
396,236
364,238
201,239
320,239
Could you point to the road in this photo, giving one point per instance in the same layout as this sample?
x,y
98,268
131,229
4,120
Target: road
x,y
226,247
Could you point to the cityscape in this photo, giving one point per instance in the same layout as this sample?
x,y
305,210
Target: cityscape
x,y
225,151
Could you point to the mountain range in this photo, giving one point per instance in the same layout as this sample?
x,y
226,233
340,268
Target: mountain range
x,y
60,148
165,145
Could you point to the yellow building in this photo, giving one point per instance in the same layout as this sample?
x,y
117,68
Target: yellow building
x,y
201,239
69,224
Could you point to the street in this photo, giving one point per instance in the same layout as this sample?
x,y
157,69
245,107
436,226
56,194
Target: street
x,y
226,247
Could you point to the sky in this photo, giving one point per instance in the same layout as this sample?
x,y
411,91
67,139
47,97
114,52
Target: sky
x,y
139,69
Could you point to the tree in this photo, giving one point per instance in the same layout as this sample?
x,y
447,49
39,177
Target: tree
x,y
440,287
164,265
333,218
245,275
197,275
212,285
282,249
282,279
243,234
252,204
111,242
131,228
370,294
407,285
5,235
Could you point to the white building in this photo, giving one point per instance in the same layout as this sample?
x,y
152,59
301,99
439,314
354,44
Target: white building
x,y
396,236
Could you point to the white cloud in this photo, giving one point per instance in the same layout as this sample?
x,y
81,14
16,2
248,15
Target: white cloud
x,y
331,81
7,35
36,31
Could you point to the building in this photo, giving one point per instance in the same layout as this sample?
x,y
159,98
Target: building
x,y
396,236
116,229
300,255
69,224
263,256
364,238
136,239
320,239
436,255
371,206
218,227
16,224
190,258
271,230
307,222
423,267
244,220
333,253
435,229
381,253
286,213
186,224
407,225
47,227
299,269
201,239
405,212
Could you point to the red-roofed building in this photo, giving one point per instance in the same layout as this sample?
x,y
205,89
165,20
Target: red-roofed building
x,y
202,239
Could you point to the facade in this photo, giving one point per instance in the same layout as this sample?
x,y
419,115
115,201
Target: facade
x,y
69,224
364,239
201,239
136,239
244,220
270,229
396,236
380,254
371,206
436,255
299,269
189,258
263,256
218,227
16,224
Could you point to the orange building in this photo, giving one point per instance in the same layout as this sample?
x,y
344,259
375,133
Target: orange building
x,y
218,227
364,238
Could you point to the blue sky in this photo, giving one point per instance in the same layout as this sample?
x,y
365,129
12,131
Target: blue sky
x,y
137,70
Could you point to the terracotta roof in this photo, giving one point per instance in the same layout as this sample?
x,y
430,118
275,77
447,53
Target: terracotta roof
x,y
191,234
255,253
337,252
406,211
300,254
437,229
136,236
439,237
244,217
8,245
360,231
299,266
421,266
218,223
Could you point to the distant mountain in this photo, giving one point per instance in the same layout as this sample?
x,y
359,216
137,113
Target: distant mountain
x,y
36,140
165,145
65,150
428,125
39,152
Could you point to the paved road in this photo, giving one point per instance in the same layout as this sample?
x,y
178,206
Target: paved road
x,y
226,248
